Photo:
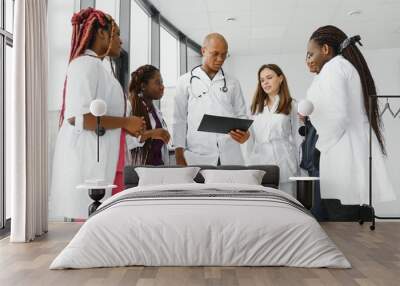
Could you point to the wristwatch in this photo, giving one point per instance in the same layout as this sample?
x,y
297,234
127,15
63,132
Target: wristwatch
x,y
102,131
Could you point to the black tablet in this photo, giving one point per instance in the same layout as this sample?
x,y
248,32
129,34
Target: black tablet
x,y
221,124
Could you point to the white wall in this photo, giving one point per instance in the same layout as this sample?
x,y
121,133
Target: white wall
x,y
385,68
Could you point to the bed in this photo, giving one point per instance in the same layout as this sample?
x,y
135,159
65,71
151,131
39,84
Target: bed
x,y
199,224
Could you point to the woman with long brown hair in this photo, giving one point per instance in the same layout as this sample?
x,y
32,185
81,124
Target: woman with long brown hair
x,y
150,148
341,93
274,136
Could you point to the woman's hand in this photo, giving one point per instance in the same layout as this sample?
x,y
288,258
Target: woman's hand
x,y
135,126
180,157
160,133
302,118
239,135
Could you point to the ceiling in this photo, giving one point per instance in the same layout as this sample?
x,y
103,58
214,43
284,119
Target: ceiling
x,y
283,26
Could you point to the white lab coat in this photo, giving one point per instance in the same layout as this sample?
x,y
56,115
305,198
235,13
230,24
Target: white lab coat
x,y
342,125
133,142
75,156
205,148
274,140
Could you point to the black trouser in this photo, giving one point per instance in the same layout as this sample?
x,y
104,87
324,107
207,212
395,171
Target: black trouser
x,y
318,209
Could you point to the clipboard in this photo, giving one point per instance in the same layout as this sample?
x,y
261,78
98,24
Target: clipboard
x,y
222,124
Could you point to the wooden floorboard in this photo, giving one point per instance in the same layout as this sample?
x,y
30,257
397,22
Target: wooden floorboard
x,y
374,255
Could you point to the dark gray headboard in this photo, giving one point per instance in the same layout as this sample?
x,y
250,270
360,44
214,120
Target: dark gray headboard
x,y
270,179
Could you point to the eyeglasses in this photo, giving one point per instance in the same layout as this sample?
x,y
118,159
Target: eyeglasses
x,y
217,55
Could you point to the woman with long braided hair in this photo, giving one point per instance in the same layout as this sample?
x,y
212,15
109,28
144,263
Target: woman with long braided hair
x,y
95,35
145,86
341,93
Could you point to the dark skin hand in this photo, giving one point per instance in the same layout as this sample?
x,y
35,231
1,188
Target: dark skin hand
x,y
158,133
133,125
180,158
239,136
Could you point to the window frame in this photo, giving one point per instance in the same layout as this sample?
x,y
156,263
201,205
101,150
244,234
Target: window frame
x,y
178,47
159,20
6,39
149,30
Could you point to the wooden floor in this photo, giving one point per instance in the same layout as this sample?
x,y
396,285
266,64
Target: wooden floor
x,y
374,255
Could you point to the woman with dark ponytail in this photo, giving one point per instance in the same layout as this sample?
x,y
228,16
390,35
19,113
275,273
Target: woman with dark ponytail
x,y
95,35
341,93
150,148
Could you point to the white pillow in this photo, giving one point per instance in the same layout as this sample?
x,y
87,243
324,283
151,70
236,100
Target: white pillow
x,y
248,177
166,176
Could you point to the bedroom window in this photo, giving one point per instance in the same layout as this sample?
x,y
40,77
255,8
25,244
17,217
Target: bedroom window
x,y
193,58
140,37
6,46
169,67
110,7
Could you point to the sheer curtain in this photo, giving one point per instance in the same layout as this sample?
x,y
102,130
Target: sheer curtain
x,y
27,117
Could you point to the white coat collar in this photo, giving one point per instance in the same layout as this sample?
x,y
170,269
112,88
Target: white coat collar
x,y
156,109
203,75
90,52
332,61
159,115
275,105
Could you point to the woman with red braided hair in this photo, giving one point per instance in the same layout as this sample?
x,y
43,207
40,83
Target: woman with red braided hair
x,y
341,93
95,36
150,148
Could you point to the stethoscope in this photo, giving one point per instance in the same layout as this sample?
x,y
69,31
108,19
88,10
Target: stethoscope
x,y
192,76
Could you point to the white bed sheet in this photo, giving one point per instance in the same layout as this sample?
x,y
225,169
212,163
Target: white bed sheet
x,y
200,232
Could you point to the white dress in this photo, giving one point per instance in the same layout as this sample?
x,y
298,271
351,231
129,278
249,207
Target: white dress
x,y
274,140
342,125
75,156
